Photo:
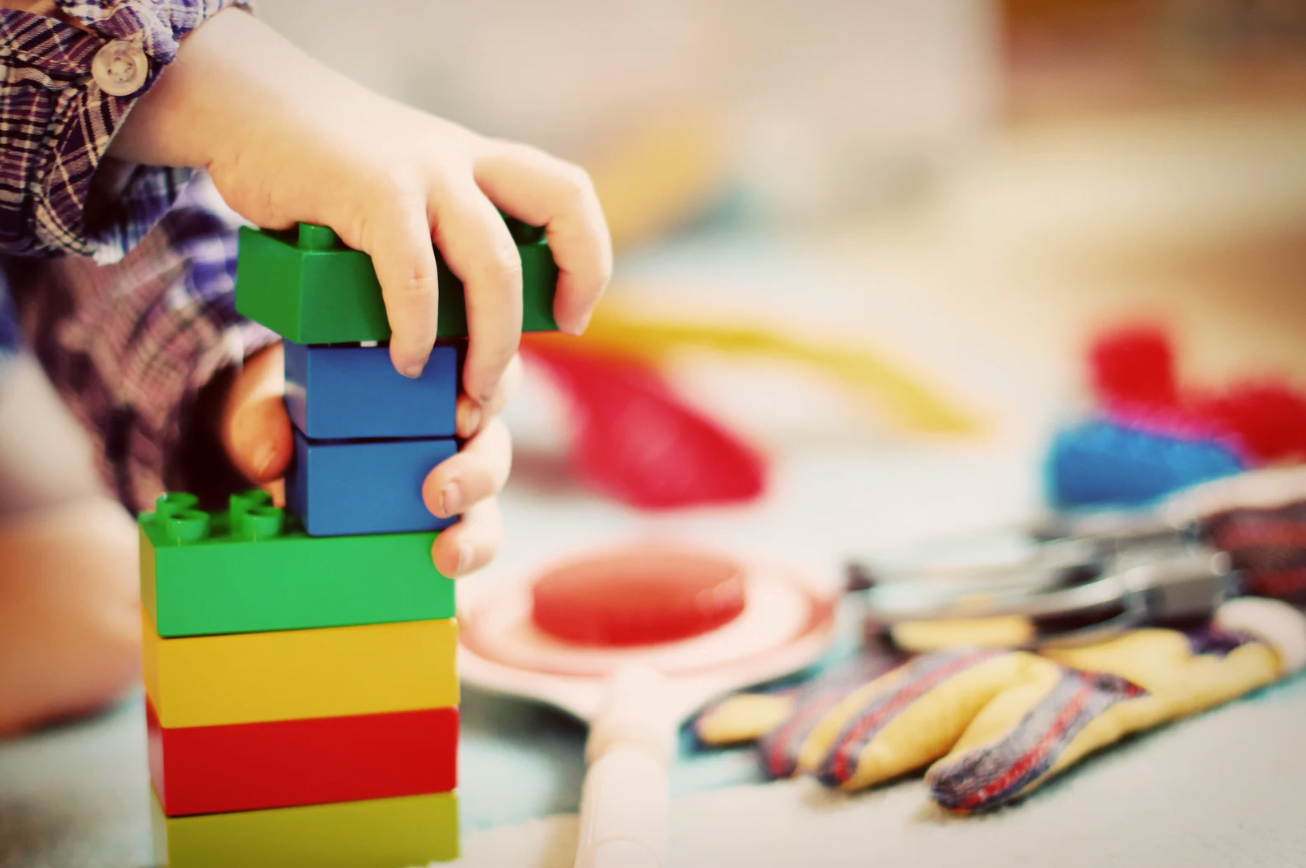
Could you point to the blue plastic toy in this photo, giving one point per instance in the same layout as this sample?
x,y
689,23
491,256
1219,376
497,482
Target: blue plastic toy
x,y
350,393
1106,463
340,487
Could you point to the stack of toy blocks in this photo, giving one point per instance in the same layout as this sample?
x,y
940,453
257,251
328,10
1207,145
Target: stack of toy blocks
x,y
300,662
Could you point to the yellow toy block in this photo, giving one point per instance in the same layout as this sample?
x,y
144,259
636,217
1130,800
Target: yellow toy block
x,y
378,833
295,674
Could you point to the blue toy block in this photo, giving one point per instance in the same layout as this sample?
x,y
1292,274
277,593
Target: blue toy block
x,y
344,487
1102,463
349,393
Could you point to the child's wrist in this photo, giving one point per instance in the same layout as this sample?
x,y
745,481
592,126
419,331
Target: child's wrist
x,y
210,100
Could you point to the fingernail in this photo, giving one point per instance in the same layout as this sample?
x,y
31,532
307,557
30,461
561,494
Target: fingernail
x,y
577,328
464,556
469,420
263,456
414,371
451,499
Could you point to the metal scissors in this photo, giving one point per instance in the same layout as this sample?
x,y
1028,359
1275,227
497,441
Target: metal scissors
x,y
1083,578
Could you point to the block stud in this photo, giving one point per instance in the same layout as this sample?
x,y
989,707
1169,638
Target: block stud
x,y
243,505
313,237
173,502
262,522
186,526
243,501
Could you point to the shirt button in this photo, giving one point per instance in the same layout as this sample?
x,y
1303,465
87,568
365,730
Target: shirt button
x,y
120,68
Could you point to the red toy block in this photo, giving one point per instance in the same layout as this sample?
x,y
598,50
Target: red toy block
x,y
248,766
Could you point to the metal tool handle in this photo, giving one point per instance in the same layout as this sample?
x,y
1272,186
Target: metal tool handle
x,y
1161,584
890,604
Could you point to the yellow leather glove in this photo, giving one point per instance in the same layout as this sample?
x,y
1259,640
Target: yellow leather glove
x,y
992,724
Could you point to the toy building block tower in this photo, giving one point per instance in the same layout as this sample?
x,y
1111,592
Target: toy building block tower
x,y
302,697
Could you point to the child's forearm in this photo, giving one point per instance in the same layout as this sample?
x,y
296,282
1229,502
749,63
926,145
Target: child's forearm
x,y
232,77
83,68
174,124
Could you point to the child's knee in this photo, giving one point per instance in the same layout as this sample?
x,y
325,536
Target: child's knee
x,y
69,611
45,455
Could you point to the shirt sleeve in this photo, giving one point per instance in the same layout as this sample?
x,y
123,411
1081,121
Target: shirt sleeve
x,y
131,345
57,120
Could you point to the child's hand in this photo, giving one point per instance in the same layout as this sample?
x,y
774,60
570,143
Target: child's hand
x,y
286,139
256,433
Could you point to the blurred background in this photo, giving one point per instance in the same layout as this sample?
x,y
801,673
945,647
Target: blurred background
x,y
871,239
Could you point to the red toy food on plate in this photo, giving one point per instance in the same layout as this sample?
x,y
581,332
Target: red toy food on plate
x,y
638,598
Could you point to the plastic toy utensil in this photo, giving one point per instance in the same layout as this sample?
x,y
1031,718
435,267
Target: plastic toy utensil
x,y
636,442
909,402
636,696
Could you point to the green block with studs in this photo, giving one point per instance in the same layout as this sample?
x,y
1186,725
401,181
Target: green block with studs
x,y
309,288
253,569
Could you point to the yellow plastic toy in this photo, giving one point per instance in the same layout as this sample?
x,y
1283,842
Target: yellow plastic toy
x,y
908,403
293,674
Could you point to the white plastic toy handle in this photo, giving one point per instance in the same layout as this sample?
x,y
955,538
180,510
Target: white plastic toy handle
x,y
625,804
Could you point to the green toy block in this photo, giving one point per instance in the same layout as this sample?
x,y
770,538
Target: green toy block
x,y
253,569
377,833
309,288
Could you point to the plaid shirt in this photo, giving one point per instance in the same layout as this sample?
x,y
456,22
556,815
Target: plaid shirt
x,y
141,316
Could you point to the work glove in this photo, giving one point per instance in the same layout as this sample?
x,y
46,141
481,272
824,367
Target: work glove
x,y
991,725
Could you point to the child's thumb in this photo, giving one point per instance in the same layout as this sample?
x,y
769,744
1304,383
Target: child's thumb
x,y
255,426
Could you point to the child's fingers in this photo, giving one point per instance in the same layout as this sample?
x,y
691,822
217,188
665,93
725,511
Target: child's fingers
x,y
400,245
472,414
262,445
473,475
476,244
255,427
472,542
545,191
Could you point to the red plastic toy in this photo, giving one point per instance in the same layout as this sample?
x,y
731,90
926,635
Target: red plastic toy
x,y
638,598
275,764
1133,379
635,441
